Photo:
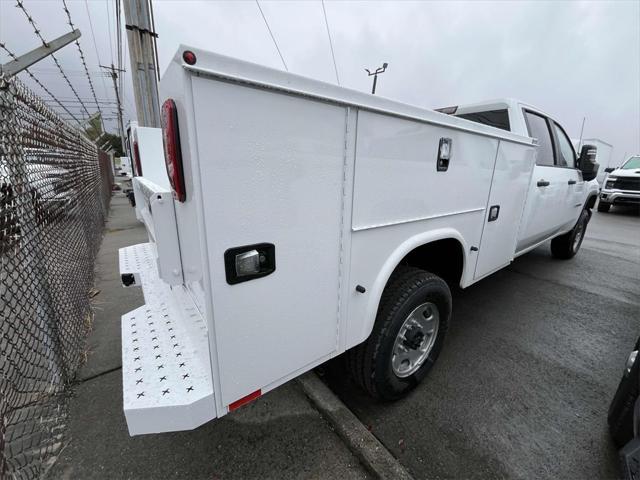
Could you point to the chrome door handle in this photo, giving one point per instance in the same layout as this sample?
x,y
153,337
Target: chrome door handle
x,y
571,182
543,183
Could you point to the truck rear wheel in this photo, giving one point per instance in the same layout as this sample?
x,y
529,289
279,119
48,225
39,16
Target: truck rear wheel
x,y
567,245
407,336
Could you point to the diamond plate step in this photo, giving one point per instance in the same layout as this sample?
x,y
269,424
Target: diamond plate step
x,y
166,370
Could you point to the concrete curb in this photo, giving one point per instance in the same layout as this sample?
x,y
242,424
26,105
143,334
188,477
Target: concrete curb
x,y
364,445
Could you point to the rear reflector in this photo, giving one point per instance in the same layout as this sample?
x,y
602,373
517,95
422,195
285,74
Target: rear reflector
x,y
172,152
244,400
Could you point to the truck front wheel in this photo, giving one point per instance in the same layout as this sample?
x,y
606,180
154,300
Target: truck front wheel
x,y
567,245
407,336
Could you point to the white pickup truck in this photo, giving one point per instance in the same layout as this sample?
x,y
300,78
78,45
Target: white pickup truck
x,y
621,185
305,220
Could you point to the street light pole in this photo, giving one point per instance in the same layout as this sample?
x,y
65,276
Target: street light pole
x,y
375,75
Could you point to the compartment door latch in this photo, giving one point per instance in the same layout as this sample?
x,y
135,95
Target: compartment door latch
x,y
249,262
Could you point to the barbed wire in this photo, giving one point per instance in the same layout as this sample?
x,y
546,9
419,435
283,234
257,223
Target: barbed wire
x,y
84,63
36,30
33,77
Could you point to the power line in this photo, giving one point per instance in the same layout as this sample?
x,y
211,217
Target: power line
x,y
84,63
100,99
335,67
95,45
272,37
71,73
75,102
44,42
33,77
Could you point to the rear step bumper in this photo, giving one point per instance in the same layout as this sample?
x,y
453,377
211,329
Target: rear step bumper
x,y
166,369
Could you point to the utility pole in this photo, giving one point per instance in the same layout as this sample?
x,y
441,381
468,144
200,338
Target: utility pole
x,y
114,77
375,74
140,36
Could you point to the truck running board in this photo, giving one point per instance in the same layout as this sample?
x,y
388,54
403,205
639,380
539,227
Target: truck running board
x,y
166,369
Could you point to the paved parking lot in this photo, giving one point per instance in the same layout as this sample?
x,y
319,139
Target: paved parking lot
x,y
521,389
532,359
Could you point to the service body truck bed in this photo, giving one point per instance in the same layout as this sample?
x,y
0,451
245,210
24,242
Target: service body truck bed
x,y
300,200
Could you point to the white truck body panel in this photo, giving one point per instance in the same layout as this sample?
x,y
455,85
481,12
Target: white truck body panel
x,y
343,184
150,149
152,155
125,166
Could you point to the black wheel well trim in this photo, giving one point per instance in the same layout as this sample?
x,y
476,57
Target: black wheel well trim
x,y
443,257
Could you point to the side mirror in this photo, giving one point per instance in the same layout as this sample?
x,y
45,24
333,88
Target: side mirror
x,y
587,162
609,169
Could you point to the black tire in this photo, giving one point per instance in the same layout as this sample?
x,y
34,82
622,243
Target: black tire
x,y
370,362
564,246
603,207
620,416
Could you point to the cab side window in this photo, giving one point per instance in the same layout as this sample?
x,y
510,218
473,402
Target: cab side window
x,y
539,128
566,157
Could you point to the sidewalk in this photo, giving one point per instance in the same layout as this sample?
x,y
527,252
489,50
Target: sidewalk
x,y
279,436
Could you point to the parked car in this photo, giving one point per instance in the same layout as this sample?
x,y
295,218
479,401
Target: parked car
x,y
622,185
624,416
304,220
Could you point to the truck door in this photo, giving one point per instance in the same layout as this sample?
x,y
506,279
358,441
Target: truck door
x,y
571,184
548,188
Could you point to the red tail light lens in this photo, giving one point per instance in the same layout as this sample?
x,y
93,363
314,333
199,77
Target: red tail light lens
x,y
136,161
172,152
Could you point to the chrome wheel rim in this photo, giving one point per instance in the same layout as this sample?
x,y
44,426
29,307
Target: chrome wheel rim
x,y
578,236
415,339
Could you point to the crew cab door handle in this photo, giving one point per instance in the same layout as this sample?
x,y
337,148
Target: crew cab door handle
x,y
543,183
571,182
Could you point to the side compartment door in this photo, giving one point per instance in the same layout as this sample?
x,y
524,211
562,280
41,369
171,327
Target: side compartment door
x,y
509,188
272,172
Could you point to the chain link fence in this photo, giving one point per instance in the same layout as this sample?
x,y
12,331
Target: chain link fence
x,y
54,197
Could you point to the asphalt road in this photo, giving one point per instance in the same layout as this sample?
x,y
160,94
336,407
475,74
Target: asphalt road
x,y
532,359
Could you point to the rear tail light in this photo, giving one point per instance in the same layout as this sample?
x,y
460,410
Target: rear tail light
x,y
136,160
172,152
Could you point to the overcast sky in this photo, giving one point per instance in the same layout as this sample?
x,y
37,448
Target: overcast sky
x,y
571,59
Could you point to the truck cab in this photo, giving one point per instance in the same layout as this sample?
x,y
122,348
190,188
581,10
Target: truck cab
x,y
558,191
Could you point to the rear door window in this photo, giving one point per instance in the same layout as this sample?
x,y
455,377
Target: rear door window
x,y
493,118
538,128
